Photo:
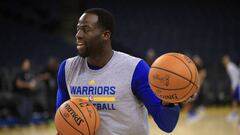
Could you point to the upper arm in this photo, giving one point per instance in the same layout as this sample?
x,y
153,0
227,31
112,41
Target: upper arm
x,y
62,93
140,85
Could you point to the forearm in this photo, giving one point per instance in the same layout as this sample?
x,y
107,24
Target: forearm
x,y
165,117
22,84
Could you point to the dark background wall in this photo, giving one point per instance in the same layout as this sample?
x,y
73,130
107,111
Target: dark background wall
x,y
209,29
44,28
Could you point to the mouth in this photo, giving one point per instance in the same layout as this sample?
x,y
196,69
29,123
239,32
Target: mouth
x,y
80,45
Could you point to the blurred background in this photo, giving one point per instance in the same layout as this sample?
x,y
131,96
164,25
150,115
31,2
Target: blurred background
x,y
35,36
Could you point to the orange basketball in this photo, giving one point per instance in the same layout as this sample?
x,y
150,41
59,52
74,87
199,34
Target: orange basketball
x,y
77,117
173,77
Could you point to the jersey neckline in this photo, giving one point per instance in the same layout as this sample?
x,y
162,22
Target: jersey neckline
x,y
94,69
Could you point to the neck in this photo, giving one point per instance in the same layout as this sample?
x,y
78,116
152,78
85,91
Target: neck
x,y
102,58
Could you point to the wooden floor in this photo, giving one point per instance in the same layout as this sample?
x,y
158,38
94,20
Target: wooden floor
x,y
213,122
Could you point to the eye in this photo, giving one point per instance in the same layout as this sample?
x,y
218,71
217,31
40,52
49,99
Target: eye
x,y
78,28
86,29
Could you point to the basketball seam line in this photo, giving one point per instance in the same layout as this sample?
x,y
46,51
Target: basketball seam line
x,y
192,86
174,74
188,80
187,67
177,74
83,116
180,76
70,123
179,89
169,88
184,64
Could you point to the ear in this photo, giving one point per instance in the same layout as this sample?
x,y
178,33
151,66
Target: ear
x,y
106,35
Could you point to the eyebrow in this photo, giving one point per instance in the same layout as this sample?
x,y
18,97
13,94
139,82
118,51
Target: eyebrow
x,y
83,26
86,26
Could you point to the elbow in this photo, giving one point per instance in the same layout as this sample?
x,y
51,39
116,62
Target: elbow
x,y
173,122
167,123
169,129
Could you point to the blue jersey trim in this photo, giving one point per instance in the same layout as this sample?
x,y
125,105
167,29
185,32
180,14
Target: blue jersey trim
x,y
62,93
165,117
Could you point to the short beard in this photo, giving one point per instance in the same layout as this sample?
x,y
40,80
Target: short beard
x,y
83,55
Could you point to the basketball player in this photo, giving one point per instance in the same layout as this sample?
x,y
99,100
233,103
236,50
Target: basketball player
x,y
196,108
234,74
117,80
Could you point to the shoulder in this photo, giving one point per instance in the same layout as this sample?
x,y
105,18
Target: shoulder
x,y
73,59
127,59
73,62
232,66
70,64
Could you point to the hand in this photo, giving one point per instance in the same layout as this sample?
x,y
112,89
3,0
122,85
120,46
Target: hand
x,y
32,84
58,133
164,103
191,99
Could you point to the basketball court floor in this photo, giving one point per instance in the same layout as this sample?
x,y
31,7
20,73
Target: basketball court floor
x,y
212,122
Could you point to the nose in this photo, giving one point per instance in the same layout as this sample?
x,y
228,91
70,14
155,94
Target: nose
x,y
79,34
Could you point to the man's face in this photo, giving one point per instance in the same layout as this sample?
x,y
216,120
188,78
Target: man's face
x,y
89,35
225,60
26,65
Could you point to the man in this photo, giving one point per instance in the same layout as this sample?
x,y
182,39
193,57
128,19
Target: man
x,y
118,81
233,73
196,108
25,85
49,76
